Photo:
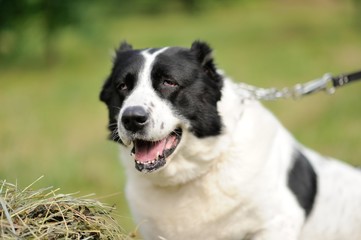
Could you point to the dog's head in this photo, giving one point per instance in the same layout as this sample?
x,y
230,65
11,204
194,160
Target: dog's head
x,y
157,96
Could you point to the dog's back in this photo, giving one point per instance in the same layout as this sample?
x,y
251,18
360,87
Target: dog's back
x,y
337,211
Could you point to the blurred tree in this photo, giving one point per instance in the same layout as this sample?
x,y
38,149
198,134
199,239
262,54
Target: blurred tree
x,y
193,6
12,12
57,14
153,7
54,15
50,17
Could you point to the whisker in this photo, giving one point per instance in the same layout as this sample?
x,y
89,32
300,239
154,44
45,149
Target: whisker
x,y
115,133
177,133
115,136
116,107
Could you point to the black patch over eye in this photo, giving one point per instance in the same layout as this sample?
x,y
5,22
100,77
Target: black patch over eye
x,y
122,87
127,83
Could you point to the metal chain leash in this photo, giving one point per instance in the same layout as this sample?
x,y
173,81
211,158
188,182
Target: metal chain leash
x,y
327,83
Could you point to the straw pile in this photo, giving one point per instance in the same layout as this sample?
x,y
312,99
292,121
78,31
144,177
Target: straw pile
x,y
43,214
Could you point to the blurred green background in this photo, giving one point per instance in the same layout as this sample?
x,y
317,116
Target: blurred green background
x,y
54,56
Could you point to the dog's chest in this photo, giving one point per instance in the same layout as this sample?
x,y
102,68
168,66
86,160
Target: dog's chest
x,y
192,212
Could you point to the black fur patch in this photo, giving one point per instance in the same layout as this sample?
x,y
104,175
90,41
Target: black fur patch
x,y
302,180
199,86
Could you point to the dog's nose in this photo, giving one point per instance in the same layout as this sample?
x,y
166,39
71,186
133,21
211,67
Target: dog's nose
x,y
134,118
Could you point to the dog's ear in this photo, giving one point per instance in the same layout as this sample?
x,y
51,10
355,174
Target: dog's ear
x,y
107,91
111,99
203,53
124,46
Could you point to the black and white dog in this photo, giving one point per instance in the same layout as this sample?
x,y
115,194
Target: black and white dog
x,y
205,161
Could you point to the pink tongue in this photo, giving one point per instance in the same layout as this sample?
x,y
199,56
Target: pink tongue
x,y
149,151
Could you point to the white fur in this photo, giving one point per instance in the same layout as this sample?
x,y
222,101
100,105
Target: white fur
x,y
234,186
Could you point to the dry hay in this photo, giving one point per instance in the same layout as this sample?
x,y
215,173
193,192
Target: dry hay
x,y
44,214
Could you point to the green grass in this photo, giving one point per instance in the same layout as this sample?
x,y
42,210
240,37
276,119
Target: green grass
x,y
52,124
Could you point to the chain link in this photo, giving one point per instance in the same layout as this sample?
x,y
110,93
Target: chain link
x,y
295,92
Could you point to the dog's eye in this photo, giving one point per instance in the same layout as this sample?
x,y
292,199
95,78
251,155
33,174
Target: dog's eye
x,y
122,87
169,83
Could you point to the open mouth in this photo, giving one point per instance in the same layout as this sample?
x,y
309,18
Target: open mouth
x,y
151,155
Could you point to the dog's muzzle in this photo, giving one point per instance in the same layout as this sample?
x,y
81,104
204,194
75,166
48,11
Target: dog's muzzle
x,y
149,153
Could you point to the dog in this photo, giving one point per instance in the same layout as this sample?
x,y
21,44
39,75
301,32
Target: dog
x,y
204,160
